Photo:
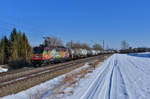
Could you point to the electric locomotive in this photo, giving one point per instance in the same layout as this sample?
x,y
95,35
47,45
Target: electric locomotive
x,y
42,54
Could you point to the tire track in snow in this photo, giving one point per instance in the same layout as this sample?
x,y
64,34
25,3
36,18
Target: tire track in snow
x,y
100,80
117,83
123,85
119,80
111,80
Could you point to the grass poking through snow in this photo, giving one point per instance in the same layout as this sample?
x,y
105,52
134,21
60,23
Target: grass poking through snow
x,y
70,81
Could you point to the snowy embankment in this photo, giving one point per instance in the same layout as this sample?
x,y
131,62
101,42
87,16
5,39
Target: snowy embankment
x,y
47,90
3,69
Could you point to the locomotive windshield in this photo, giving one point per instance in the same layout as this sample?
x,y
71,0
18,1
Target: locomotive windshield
x,y
37,50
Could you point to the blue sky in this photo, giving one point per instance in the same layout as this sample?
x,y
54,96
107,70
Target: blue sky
x,y
79,20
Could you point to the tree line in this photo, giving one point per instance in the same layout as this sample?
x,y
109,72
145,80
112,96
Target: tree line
x,y
54,41
15,50
126,48
74,45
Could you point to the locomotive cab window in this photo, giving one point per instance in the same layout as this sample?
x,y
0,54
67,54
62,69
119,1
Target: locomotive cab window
x,y
37,51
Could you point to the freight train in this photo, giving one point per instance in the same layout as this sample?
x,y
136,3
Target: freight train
x,y
45,55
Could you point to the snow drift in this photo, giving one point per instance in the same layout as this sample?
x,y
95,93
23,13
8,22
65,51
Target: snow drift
x,y
3,69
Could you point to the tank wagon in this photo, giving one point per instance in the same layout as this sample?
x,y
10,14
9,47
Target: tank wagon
x,y
46,55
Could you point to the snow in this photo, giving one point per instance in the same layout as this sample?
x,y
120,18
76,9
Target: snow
x,y
125,77
44,88
146,54
122,76
3,69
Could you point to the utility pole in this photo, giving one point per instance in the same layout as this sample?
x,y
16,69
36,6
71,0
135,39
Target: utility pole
x,y
107,47
103,44
97,43
71,43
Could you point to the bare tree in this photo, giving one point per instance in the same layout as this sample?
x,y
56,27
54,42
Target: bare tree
x,y
52,41
85,46
97,47
71,44
124,45
77,45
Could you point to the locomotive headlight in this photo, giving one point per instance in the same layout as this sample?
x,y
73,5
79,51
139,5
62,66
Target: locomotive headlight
x,y
37,56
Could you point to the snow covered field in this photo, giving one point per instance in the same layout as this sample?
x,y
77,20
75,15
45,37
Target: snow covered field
x,y
121,76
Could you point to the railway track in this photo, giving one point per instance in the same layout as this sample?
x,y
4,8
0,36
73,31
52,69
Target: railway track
x,y
23,76
24,72
8,76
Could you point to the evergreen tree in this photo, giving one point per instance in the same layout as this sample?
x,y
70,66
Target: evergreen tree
x,y
13,35
4,50
14,45
17,49
20,48
7,49
26,49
